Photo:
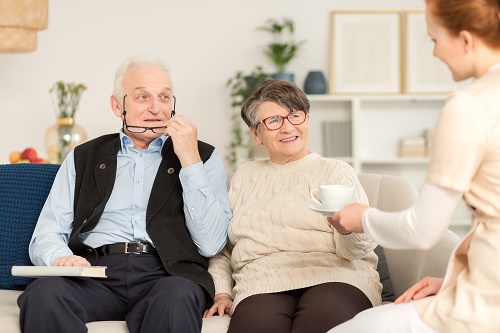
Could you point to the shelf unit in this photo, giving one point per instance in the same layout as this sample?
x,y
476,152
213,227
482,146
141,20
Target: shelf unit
x,y
377,124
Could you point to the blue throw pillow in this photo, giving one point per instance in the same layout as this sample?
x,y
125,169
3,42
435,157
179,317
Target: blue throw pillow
x,y
23,191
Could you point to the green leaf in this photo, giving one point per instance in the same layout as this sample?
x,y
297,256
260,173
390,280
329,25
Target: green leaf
x,y
283,48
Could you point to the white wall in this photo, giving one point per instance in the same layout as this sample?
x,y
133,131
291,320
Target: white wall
x,y
205,43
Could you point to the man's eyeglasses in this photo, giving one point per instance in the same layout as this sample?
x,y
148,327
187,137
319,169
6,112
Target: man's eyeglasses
x,y
142,129
274,123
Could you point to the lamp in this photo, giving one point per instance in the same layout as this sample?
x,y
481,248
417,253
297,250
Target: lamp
x,y
20,21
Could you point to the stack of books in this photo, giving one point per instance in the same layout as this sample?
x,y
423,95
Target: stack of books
x,y
429,141
413,147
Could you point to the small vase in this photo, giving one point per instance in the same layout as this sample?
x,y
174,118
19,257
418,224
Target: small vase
x,y
315,83
61,138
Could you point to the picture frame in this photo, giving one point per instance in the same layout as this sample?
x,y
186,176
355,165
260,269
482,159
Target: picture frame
x,y
423,72
366,52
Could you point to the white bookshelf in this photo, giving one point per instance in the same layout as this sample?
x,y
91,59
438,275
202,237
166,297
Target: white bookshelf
x,y
378,123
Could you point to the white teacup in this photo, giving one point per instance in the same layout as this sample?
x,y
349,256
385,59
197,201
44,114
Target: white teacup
x,y
333,197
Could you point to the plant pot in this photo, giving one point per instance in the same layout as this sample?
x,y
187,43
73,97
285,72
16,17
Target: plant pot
x,y
284,76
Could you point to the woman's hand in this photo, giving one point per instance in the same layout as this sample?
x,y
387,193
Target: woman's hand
x,y
222,304
425,287
348,219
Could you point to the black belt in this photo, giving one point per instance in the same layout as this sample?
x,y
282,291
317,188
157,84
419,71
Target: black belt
x,y
129,247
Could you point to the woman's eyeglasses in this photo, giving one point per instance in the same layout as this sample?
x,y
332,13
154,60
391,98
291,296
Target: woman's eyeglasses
x,y
274,123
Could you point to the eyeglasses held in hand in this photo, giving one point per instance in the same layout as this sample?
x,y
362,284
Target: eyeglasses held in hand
x,y
142,129
274,123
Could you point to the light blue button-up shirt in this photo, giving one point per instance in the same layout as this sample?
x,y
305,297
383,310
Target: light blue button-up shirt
x,y
206,204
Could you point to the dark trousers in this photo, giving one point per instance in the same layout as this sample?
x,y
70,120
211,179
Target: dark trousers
x,y
137,290
308,310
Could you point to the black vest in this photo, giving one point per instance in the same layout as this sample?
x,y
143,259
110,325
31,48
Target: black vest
x,y
95,163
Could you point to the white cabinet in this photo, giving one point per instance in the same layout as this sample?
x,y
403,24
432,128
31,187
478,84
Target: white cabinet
x,y
377,125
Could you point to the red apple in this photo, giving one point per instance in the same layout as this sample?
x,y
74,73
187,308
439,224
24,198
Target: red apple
x,y
29,154
39,161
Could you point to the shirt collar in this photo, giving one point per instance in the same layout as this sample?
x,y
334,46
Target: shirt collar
x,y
127,144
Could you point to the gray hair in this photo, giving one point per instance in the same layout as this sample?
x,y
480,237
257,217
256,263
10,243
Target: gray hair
x,y
284,93
136,61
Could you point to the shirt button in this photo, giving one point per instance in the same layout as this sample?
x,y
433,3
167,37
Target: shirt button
x,y
137,181
141,154
136,222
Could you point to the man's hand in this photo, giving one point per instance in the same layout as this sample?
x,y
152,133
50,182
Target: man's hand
x,y
222,304
71,261
348,219
425,287
184,136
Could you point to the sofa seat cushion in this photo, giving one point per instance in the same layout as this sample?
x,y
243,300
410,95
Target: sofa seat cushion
x,y
9,319
9,312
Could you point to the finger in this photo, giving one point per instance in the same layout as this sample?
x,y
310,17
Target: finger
x,y
429,290
209,312
408,294
402,298
178,122
421,294
222,309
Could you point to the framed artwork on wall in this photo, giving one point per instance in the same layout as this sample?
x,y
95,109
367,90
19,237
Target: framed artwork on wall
x,y
365,54
424,73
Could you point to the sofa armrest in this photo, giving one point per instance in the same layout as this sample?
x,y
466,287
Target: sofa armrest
x,y
406,267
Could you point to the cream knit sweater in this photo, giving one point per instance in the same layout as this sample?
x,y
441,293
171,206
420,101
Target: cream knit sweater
x,y
276,243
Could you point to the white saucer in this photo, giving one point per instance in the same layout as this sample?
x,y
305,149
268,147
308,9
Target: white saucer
x,y
324,211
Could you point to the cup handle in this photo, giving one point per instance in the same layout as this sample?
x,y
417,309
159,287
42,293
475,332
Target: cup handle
x,y
313,196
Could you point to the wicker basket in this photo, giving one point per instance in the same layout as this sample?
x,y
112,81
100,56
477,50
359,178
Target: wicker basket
x,y
20,20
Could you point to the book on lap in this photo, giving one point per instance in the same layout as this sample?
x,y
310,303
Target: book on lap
x,y
77,271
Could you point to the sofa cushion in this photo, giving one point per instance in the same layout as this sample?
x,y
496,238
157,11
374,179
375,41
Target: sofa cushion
x,y
385,278
23,190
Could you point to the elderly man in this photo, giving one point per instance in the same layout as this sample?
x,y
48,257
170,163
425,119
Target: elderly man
x,y
150,203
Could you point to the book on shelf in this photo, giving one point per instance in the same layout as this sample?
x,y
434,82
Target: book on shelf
x,y
417,146
337,138
429,139
41,271
413,152
413,142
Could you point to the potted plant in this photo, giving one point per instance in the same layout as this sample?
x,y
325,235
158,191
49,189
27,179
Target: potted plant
x,y
283,48
241,87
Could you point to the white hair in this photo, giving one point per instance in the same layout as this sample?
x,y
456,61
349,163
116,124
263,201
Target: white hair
x,y
139,61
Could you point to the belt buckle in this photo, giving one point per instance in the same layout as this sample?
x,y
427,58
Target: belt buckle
x,y
135,247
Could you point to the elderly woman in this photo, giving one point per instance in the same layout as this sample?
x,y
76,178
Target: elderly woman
x,y
285,269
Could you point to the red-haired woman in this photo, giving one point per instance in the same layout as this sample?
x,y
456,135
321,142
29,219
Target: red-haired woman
x,y
465,163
